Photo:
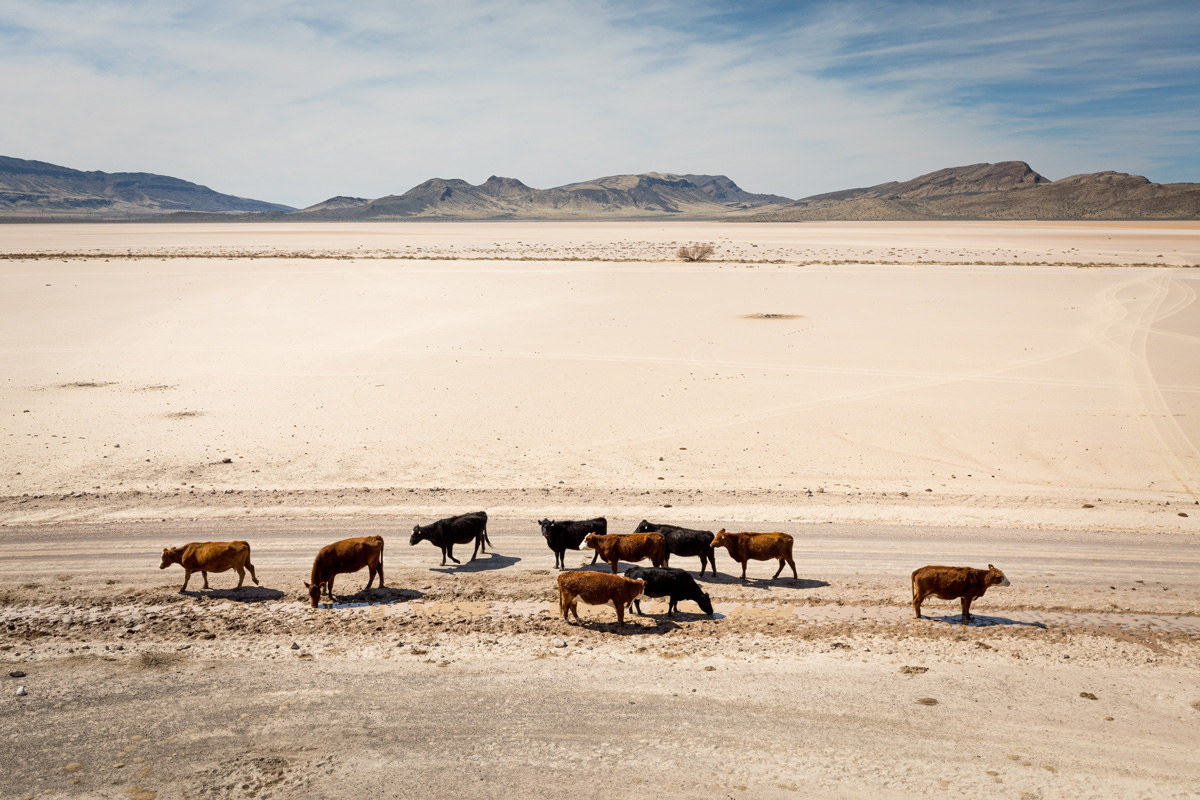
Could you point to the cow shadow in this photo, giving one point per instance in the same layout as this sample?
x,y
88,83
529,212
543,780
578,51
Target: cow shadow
x,y
631,627
484,563
981,621
380,596
763,583
246,594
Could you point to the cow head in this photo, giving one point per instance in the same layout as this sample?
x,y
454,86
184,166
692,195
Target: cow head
x,y
591,539
645,527
722,539
314,593
171,555
417,535
705,603
546,526
995,577
641,587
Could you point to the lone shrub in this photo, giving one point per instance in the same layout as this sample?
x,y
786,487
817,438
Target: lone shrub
x,y
696,252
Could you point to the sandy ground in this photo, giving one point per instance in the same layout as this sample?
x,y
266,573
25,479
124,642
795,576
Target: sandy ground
x,y
291,385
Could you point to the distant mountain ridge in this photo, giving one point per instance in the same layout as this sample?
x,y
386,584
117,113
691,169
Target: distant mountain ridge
x,y
1009,190
33,189
650,194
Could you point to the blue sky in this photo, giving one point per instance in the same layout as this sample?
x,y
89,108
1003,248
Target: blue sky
x,y
295,101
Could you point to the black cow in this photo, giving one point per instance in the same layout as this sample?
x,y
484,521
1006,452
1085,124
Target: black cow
x,y
669,582
569,534
445,533
684,542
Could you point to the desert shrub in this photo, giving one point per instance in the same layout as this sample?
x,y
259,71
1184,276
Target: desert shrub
x,y
698,251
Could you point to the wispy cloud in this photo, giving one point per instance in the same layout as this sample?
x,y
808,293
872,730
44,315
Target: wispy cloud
x,y
294,101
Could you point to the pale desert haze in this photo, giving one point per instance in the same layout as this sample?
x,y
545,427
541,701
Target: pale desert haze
x,y
890,394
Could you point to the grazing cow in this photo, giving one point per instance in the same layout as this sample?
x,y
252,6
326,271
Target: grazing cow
x,y
951,583
759,546
445,533
614,547
596,589
684,542
568,535
672,583
348,555
206,557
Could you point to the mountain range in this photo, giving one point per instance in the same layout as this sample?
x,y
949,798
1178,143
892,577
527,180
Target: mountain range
x,y
1008,190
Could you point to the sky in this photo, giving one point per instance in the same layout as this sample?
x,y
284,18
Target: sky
x,y
293,101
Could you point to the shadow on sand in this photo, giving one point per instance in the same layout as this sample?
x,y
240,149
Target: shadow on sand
x,y
373,597
763,583
246,594
980,621
484,563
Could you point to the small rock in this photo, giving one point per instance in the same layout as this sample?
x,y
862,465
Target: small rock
x,y
1108,719
560,642
184,647
295,646
913,670
16,673
209,635
839,646
1088,505
710,668
927,701
1182,514
226,460
21,691
1088,696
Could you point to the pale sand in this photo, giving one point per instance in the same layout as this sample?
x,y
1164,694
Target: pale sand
x,y
356,391
1015,393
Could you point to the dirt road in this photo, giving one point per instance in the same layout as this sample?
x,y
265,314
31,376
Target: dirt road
x,y
462,681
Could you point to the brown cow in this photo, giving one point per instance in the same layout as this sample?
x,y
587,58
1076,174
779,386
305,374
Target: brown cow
x,y
614,547
348,555
759,546
951,583
596,589
206,557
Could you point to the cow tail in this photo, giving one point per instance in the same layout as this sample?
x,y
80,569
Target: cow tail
x,y
485,536
914,586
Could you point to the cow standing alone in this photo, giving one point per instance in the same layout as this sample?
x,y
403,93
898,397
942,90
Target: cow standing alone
x,y
684,542
596,589
348,555
206,557
569,535
952,583
445,533
758,546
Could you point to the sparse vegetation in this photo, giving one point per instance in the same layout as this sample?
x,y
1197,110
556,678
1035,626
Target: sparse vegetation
x,y
698,251
153,659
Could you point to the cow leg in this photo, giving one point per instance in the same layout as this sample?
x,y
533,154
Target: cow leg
x,y
205,574
613,564
620,607
253,577
560,559
776,575
966,608
792,564
917,600
187,576
241,577
671,601
595,555
329,586
744,563
379,572
478,542
712,560
450,552
575,609
637,604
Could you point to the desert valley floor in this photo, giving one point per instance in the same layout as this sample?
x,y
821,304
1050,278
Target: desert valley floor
x,y
891,394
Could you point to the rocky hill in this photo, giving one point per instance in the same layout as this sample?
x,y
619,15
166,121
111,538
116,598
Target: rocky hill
x,y
37,190
650,195
1009,190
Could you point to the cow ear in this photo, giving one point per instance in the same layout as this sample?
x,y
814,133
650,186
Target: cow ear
x,y
307,585
990,566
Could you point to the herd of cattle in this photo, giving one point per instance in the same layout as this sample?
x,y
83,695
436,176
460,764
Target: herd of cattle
x,y
649,541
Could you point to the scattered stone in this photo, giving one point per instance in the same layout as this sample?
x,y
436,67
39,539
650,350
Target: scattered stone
x,y
913,670
1182,514
560,642
1088,505
21,691
295,646
16,673
927,701
839,646
184,647
208,635
710,668
1108,719
73,766
1088,696
226,460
